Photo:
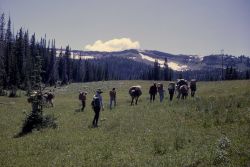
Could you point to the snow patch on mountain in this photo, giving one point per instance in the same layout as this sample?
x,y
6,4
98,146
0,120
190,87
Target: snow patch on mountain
x,y
171,64
75,55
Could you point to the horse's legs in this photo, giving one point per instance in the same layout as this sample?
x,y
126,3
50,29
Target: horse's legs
x,y
178,94
136,100
192,93
132,101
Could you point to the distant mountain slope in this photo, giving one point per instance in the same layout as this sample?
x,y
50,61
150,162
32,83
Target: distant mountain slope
x,y
176,62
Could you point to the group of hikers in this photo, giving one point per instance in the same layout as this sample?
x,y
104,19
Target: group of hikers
x,y
97,103
181,87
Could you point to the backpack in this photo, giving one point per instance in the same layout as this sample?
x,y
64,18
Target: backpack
x,y
171,86
96,102
82,96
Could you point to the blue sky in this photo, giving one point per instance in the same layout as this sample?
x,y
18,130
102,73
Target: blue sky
x,y
198,27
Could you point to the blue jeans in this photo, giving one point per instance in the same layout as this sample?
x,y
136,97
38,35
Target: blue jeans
x,y
161,96
110,102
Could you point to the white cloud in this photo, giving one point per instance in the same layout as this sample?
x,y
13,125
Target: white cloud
x,y
113,45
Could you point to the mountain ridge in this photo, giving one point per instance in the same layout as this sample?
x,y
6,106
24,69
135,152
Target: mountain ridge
x,y
179,62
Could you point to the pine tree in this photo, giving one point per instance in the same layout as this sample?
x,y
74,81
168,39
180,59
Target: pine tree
x,y
166,70
60,65
20,54
87,77
106,72
36,78
11,61
156,70
8,52
2,56
68,64
247,74
53,75
27,63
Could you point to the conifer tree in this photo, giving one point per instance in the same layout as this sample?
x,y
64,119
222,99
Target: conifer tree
x,y
36,78
53,76
68,63
156,70
2,57
20,54
27,63
166,70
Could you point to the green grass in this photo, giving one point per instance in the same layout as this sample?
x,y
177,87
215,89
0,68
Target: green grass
x,y
180,133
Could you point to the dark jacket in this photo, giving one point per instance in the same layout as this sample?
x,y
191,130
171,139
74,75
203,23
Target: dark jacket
x,y
153,90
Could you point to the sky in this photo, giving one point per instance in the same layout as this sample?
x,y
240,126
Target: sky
x,y
196,27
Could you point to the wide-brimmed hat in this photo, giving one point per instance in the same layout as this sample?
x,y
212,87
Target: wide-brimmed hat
x,y
99,91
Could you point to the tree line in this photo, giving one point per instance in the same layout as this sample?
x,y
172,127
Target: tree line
x,y
26,61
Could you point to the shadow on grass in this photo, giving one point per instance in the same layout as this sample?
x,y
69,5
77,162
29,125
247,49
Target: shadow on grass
x,y
36,121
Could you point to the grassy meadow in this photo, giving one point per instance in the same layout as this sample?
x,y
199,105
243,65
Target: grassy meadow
x,y
211,129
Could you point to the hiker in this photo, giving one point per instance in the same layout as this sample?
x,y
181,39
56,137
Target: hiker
x,y
49,96
135,92
82,98
160,91
97,105
152,92
193,87
112,96
171,89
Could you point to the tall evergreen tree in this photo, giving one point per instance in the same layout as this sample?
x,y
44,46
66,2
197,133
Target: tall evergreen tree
x,y
247,75
53,74
68,63
166,70
20,54
156,70
2,57
11,60
36,78
8,52
27,63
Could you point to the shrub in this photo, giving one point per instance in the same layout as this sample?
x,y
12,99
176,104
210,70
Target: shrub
x,y
221,154
37,121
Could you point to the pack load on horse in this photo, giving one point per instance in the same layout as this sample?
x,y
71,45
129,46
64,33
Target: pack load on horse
x,y
193,87
182,88
183,91
135,92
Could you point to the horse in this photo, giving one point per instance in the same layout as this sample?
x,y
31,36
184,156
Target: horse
x,y
183,91
135,92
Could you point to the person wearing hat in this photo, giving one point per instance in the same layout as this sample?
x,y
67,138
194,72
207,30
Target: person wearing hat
x,y
112,95
97,104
